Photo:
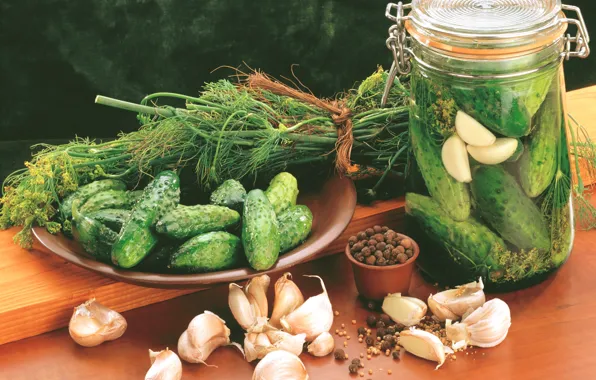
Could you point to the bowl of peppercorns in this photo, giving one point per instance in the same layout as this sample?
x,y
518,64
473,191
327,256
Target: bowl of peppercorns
x,y
382,260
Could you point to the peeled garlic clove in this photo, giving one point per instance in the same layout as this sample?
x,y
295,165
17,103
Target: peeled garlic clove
x,y
204,334
423,344
471,131
288,298
257,289
323,345
92,324
500,151
487,326
313,317
243,310
165,365
407,311
455,159
454,303
278,365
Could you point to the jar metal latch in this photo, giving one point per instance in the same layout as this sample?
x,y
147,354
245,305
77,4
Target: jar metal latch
x,y
398,41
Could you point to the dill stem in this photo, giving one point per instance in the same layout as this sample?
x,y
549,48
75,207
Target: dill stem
x,y
309,121
128,106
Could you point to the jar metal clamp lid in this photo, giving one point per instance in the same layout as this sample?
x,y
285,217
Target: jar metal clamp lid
x,y
482,29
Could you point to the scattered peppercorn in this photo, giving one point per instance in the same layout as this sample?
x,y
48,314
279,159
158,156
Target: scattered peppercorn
x,y
356,361
389,338
370,341
371,321
380,324
386,319
390,330
339,354
371,305
396,354
386,346
381,332
361,330
353,368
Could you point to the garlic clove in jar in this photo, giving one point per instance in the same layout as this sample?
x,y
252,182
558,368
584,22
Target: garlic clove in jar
x,y
313,317
278,365
487,326
288,298
92,324
471,131
423,344
407,311
323,345
498,152
257,290
245,312
165,365
455,159
204,334
454,303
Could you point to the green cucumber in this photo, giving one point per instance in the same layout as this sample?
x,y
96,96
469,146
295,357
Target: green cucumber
x,y
229,194
469,243
158,261
538,165
112,218
502,203
282,192
294,226
94,237
188,221
260,231
86,191
451,195
136,240
208,252
117,199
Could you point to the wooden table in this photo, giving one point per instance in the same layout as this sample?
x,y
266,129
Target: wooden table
x,y
553,323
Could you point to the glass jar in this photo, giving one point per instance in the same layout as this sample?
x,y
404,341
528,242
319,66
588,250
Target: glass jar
x,y
490,185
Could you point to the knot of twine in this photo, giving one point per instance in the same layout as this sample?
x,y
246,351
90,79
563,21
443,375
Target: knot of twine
x,y
341,115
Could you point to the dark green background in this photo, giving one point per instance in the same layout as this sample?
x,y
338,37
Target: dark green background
x,y
56,55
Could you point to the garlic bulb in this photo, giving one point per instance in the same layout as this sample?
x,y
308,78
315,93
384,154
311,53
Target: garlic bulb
x,y
257,345
288,298
245,312
454,303
407,311
423,344
313,317
92,324
257,290
280,365
487,326
165,365
323,345
204,334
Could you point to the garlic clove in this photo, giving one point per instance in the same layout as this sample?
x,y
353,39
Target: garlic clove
x,y
455,159
487,326
423,344
204,334
287,342
165,365
92,324
257,289
455,303
313,317
498,152
280,365
407,311
323,345
471,131
288,298
245,312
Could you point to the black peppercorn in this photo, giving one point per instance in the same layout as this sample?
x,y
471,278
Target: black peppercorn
x,y
361,235
389,338
381,246
339,354
402,258
370,341
386,320
396,354
356,361
369,231
366,251
387,254
380,324
378,254
371,260
361,330
386,346
372,243
377,229
359,257
381,332
409,252
384,229
371,305
353,368
379,237
371,321
358,246
390,330
381,261
352,240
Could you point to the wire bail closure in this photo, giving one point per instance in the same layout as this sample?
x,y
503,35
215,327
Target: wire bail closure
x,y
397,43
581,39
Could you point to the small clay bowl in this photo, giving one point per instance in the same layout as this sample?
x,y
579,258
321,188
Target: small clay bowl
x,y
375,282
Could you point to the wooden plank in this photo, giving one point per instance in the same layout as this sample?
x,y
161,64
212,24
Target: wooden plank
x,y
39,290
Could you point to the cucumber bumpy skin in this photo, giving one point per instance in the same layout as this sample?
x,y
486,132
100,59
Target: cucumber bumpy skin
x,y
94,237
136,240
112,218
229,194
208,252
188,221
469,243
503,204
86,191
115,199
282,192
451,195
294,226
260,231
